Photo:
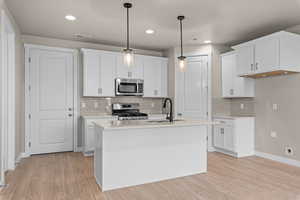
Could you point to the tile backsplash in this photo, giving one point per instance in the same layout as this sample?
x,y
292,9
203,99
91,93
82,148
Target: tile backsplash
x,y
103,105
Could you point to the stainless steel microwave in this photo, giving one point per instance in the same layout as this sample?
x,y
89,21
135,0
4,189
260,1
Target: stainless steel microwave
x,y
129,87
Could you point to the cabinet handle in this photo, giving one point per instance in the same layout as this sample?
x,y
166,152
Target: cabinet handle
x,y
70,115
256,66
179,114
70,109
99,90
129,74
231,91
155,92
252,67
222,130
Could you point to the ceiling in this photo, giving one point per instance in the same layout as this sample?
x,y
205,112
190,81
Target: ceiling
x,y
103,21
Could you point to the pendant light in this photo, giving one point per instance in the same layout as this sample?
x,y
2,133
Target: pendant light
x,y
128,52
181,58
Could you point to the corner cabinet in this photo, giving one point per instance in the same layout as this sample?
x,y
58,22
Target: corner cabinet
x,y
155,76
99,71
234,86
274,54
101,68
234,136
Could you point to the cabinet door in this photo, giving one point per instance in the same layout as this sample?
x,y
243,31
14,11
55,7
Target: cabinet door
x,y
219,136
266,55
91,71
137,70
229,139
164,78
228,62
245,60
107,74
152,77
122,69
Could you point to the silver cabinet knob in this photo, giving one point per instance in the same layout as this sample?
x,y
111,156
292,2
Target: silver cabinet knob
x,y
70,115
252,67
129,74
179,114
70,109
256,66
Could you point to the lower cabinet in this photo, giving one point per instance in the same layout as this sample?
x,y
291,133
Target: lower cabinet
x,y
234,135
88,132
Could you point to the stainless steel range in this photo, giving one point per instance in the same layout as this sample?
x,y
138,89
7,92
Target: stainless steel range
x,y
128,111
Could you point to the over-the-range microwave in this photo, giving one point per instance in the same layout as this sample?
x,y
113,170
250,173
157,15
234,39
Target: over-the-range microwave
x,y
129,87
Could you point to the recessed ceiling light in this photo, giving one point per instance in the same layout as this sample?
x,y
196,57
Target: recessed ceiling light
x,y
70,17
149,31
207,41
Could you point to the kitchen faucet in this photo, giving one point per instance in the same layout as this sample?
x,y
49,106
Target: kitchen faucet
x,y
170,114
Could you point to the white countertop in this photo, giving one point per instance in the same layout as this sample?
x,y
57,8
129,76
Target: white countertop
x,y
232,116
141,124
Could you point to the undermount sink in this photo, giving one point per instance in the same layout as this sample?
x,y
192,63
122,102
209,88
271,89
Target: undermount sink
x,y
164,121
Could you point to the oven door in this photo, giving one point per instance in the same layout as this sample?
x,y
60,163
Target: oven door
x,y
128,87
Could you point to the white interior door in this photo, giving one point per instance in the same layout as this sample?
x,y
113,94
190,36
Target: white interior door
x,y
51,101
193,89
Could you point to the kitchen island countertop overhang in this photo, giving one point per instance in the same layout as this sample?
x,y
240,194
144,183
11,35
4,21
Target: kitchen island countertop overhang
x,y
137,152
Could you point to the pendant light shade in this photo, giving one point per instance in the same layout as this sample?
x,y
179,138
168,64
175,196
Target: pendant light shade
x,y
128,52
181,58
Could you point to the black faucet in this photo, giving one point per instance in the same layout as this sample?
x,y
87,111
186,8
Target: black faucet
x,y
170,115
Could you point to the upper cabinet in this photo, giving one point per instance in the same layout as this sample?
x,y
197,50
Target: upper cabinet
x,y
274,54
155,76
101,68
135,72
234,86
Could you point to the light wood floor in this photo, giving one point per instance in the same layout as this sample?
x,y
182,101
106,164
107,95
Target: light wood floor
x,y
69,176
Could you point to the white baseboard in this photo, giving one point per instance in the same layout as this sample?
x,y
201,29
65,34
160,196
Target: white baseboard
x,y
79,149
21,156
278,158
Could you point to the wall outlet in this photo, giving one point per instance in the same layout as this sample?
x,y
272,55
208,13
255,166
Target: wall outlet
x,y
242,106
152,105
273,134
83,105
275,107
96,105
289,151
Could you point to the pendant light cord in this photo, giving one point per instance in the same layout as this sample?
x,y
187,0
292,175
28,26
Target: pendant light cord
x,y
181,37
127,28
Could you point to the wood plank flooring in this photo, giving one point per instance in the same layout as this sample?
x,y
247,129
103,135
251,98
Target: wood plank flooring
x,y
69,176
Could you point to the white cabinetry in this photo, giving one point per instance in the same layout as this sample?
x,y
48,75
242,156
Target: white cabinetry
x,y
99,69
232,85
88,132
155,76
234,135
274,54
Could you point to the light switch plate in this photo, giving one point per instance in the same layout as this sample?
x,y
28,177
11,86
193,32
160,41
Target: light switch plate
x,y
242,106
273,134
275,107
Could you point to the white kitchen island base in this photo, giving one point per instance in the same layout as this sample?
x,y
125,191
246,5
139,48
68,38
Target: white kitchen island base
x,y
133,155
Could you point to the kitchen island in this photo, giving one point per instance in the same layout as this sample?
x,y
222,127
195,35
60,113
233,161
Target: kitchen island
x,y
136,152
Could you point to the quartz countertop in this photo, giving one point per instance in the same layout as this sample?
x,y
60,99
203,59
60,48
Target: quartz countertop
x,y
232,116
142,124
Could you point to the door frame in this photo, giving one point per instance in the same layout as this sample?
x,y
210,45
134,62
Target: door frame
x,y
8,115
76,94
195,53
